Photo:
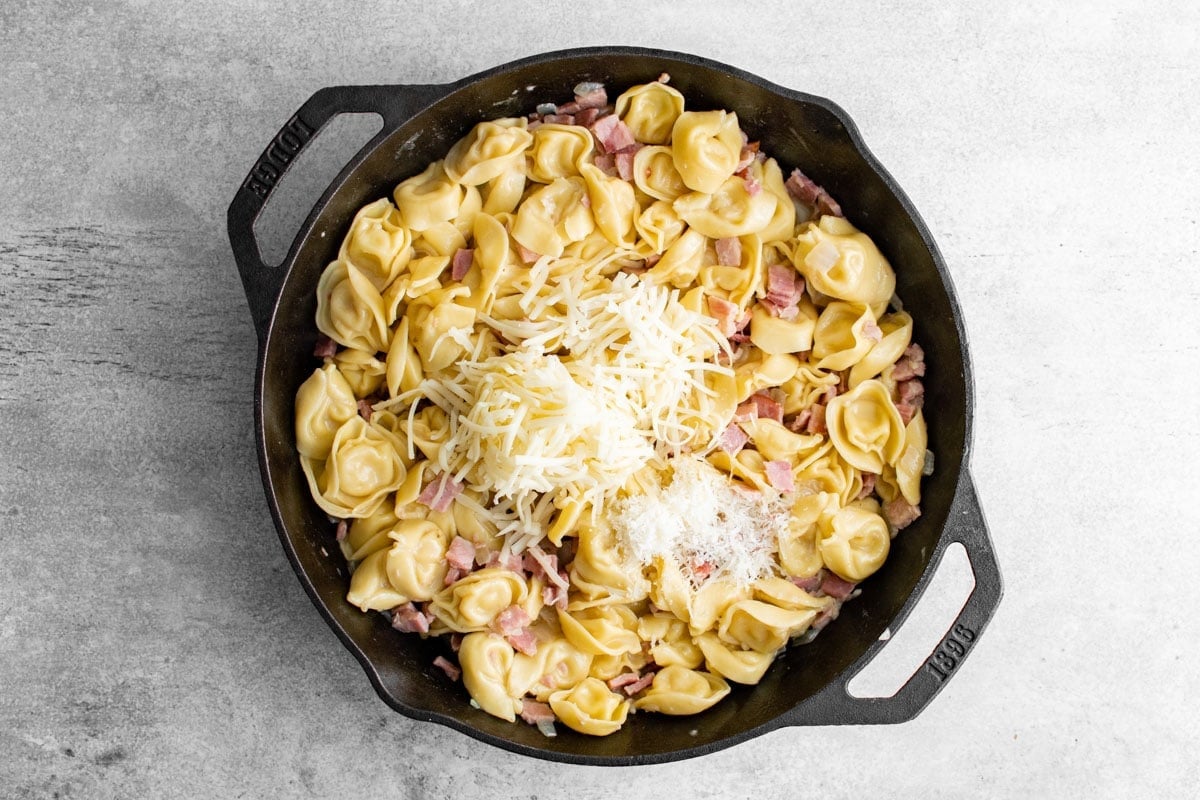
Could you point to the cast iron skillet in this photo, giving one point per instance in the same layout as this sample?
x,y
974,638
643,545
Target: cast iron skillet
x,y
806,686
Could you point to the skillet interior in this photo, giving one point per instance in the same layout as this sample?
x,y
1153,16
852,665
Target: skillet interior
x,y
798,130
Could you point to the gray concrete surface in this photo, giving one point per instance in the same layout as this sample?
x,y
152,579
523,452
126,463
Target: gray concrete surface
x,y
153,640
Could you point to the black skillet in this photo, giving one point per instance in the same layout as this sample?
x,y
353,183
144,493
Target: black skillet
x,y
807,685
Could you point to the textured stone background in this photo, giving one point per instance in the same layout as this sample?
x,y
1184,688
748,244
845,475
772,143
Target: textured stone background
x,y
153,640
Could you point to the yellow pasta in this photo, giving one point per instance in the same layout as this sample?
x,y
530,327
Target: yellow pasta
x,y
601,403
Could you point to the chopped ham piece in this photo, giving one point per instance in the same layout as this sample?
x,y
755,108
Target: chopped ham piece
x,y
816,421
753,187
440,492
511,562
461,554
523,641
727,314
910,365
701,569
452,576
910,398
325,348
872,332
748,156
511,620
641,683
460,265
801,187
789,312
624,679
591,95
409,619
607,163
456,641
868,485
729,251
900,513
766,407
534,712
779,475
560,119
612,133
733,439
797,422
527,256
785,286
556,596
624,163
342,529
364,409
810,584
447,666
833,586
746,410
586,116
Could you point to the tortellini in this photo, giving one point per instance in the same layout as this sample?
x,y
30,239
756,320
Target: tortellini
x,y
362,468
492,332
324,403
706,147
650,111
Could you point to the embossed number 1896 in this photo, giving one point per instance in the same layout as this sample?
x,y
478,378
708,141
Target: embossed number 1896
x,y
950,652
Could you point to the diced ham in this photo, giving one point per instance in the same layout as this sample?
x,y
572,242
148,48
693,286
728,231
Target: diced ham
x,y
409,619
779,475
523,641
553,595
785,286
586,116
560,118
830,392
753,187
816,421
727,314
766,407
910,365
511,620
566,108
460,265
746,411
872,332
747,157
641,683
624,679
452,576
788,312
511,561
910,397
534,712
900,513
797,422
833,586
664,77
701,569
440,492
591,95
527,256
624,162
733,439
612,133
343,528
729,251
607,163
447,666
325,348
868,485
456,640
810,584
364,409
461,554
801,187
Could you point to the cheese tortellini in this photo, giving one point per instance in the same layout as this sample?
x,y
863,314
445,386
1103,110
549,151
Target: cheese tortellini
x,y
604,405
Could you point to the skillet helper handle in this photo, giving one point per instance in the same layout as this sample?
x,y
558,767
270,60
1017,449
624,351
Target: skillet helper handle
x,y
834,705
261,281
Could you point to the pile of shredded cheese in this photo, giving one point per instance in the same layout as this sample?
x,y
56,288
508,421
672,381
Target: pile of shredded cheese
x,y
603,378
702,522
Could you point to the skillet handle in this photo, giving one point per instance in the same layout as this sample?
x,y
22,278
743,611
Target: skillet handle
x,y
834,705
394,104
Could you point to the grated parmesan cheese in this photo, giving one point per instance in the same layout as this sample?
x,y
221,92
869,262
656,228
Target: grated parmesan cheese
x,y
602,379
704,523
